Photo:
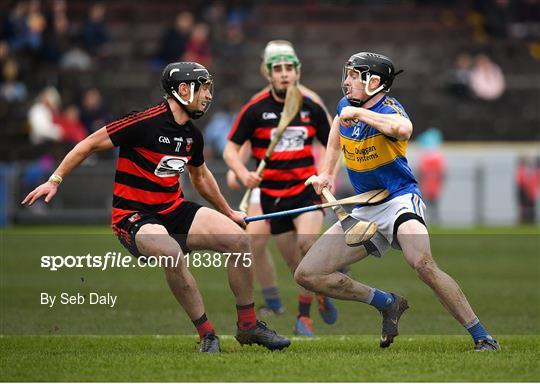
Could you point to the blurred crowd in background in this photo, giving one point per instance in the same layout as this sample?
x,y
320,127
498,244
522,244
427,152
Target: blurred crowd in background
x,y
472,68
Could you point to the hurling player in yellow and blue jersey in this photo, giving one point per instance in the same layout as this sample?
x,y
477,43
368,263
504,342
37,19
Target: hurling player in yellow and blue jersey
x,y
371,130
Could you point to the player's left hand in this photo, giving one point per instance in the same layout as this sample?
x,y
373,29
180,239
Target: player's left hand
x,y
238,218
349,116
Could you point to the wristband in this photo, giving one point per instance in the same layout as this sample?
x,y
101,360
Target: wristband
x,y
57,179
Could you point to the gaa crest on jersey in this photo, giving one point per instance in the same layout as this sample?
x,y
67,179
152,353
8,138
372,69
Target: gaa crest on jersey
x,y
171,166
133,218
292,139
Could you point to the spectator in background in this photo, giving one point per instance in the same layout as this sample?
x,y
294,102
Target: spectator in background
x,y
57,34
215,133
173,42
198,46
432,170
61,44
4,50
498,15
94,113
24,26
232,50
459,77
487,79
42,116
73,130
11,89
215,14
528,187
95,33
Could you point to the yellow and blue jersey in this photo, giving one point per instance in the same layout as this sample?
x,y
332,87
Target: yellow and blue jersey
x,y
374,160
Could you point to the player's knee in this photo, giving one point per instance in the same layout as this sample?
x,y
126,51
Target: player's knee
x,y
306,278
258,243
177,277
238,242
426,268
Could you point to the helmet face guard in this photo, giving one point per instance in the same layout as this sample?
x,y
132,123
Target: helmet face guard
x,y
365,77
194,76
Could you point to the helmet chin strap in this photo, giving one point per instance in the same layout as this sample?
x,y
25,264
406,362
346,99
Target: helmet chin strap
x,y
191,96
371,94
184,104
366,88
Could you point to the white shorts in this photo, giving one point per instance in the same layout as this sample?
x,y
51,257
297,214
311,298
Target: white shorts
x,y
255,197
386,215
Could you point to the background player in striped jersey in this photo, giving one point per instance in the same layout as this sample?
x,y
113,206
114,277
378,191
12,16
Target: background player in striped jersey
x,y
150,216
372,130
292,162
259,231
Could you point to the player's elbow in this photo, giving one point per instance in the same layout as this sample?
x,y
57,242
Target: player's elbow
x,y
197,178
404,130
85,147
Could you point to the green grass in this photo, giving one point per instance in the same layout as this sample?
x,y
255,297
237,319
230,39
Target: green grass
x,y
498,269
330,358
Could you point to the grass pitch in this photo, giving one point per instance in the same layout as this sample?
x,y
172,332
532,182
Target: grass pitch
x,y
498,270
327,358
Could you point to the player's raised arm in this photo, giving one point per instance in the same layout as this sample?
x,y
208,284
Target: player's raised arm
x,y
393,125
97,141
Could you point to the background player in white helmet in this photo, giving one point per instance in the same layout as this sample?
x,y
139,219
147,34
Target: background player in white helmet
x,y
281,187
265,270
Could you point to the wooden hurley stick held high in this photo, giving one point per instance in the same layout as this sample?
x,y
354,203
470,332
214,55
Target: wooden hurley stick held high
x,y
291,107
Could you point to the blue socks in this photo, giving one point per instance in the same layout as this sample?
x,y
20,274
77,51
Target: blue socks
x,y
271,298
380,299
477,330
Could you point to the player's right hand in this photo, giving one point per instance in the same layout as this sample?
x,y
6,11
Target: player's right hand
x,y
47,189
232,181
251,179
238,218
322,181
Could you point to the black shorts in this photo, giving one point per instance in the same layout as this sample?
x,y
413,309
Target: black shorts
x,y
177,224
270,204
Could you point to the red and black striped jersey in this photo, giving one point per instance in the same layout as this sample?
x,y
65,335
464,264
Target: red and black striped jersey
x,y
154,150
292,161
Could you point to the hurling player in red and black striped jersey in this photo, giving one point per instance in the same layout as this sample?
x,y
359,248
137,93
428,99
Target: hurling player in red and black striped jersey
x,y
150,215
290,165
